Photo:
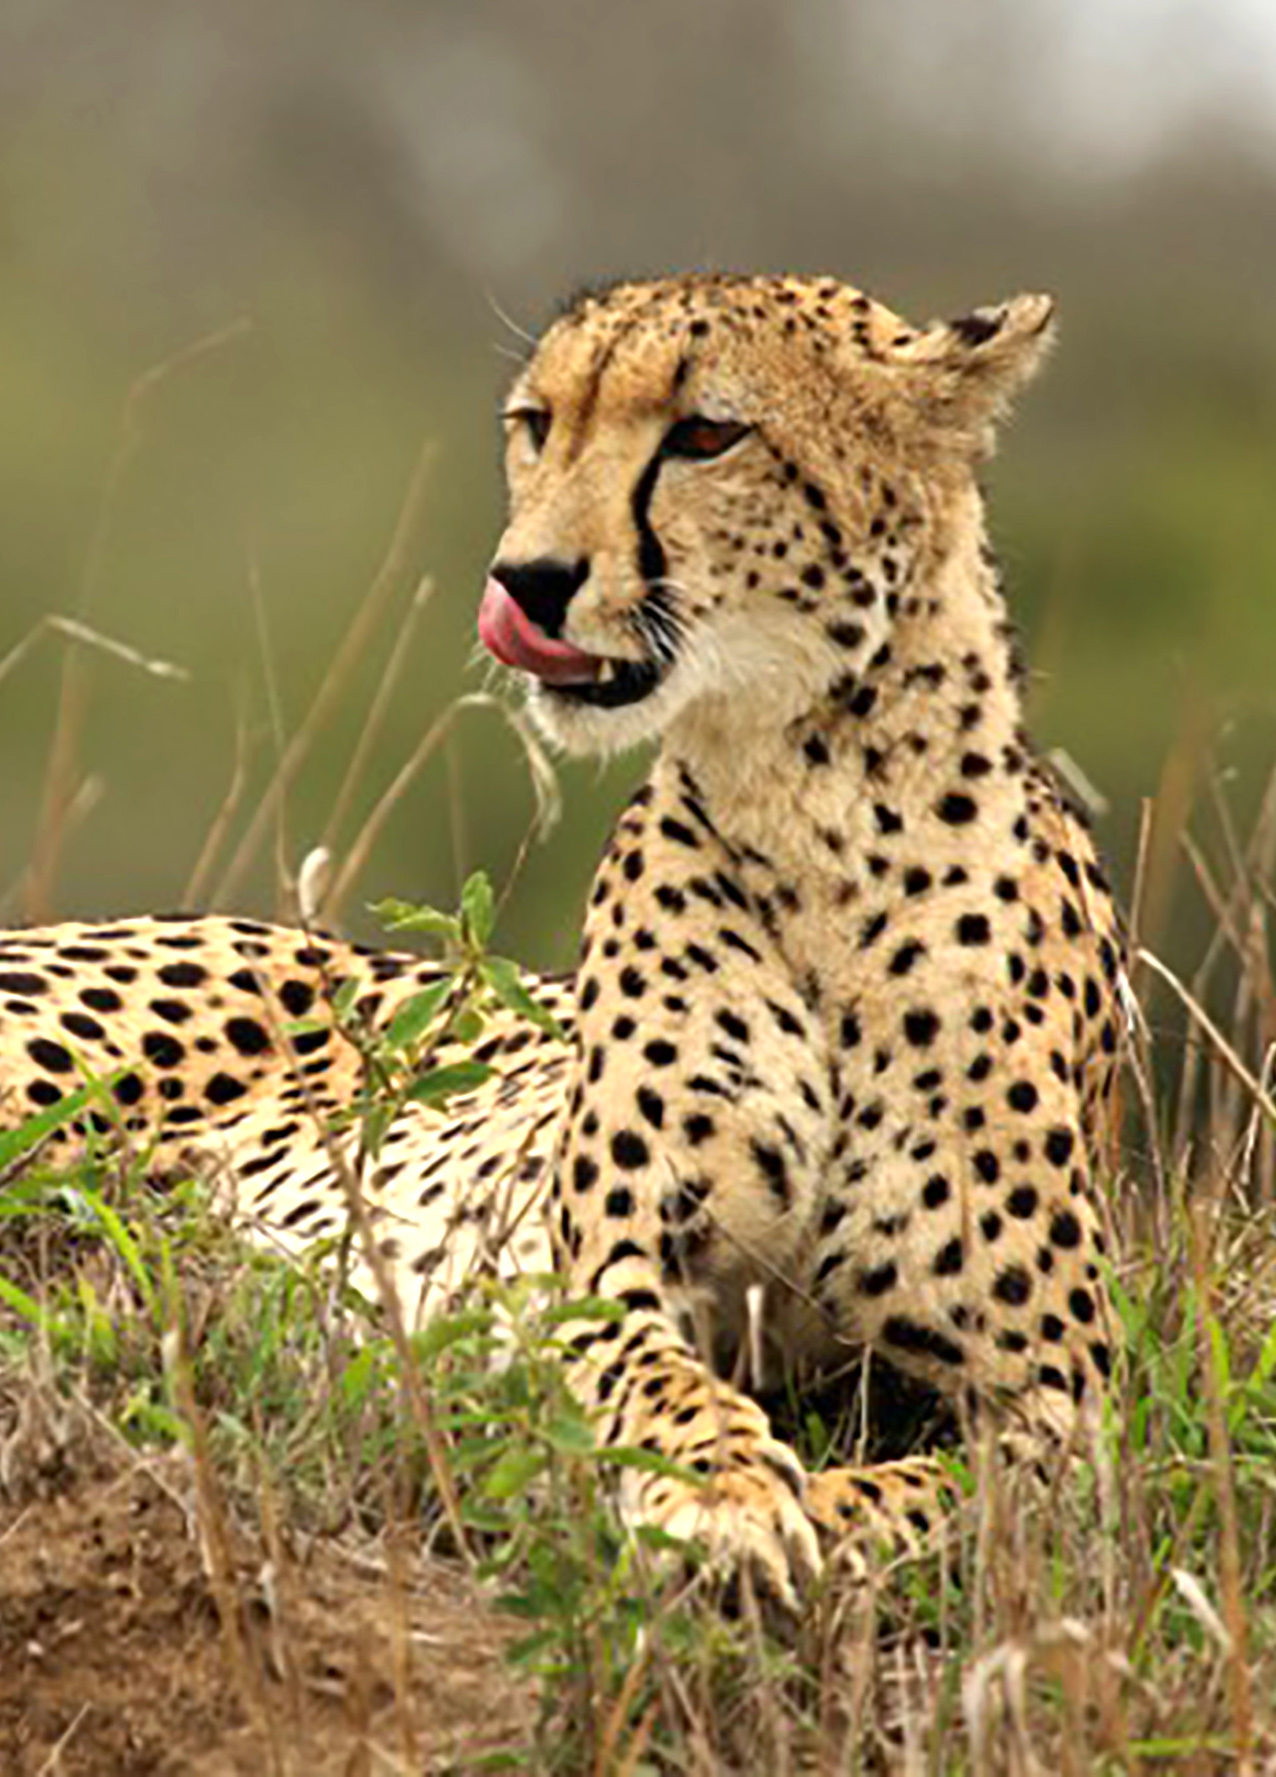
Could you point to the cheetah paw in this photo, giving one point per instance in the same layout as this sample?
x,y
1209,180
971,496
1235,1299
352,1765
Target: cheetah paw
x,y
748,1515
894,1508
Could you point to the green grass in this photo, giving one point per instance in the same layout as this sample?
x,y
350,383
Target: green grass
x,y
1122,1619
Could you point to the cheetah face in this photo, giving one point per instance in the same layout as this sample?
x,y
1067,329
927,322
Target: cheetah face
x,y
720,489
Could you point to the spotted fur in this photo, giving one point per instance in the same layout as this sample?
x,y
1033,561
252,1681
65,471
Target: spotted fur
x,y
845,1019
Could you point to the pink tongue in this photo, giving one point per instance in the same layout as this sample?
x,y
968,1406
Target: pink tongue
x,y
508,632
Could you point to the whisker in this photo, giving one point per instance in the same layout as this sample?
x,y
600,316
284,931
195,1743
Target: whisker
x,y
508,321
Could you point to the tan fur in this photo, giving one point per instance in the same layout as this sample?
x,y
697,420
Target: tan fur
x,y
845,1015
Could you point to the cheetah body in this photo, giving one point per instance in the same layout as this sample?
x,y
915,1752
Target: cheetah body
x,y
846,1013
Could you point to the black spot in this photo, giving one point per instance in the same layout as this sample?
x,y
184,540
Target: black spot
x,y
956,808
660,1053
770,1163
734,1026
936,1191
247,1036
22,981
987,1165
81,1025
633,983
584,1173
862,703
629,1150
224,1089
917,880
162,1049
680,834
127,1090
307,1041
171,1011
907,1335
43,1092
296,997
1013,1285
619,1201
973,928
921,1027
949,1259
1065,1229
185,1113
1022,1202
907,954
878,1280
1058,1146
1081,1302
652,1106
816,751
1022,1097
52,1057
101,999
697,1128
182,974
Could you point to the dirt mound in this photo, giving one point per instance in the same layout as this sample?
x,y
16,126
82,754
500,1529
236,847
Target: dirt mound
x,y
115,1658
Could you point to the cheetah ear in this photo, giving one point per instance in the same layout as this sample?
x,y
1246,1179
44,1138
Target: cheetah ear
x,y
968,371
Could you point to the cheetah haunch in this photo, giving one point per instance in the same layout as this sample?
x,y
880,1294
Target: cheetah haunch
x,y
845,1016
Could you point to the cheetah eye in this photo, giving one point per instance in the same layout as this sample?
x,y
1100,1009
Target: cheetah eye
x,y
537,421
698,438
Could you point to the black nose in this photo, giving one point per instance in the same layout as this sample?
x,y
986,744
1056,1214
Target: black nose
x,y
543,588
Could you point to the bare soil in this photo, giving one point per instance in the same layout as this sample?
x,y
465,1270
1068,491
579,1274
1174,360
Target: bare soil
x,y
116,1661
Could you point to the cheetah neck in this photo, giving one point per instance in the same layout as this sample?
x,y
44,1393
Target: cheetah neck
x,y
821,793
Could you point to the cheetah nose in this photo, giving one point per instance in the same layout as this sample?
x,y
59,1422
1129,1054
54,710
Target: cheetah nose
x,y
508,631
543,589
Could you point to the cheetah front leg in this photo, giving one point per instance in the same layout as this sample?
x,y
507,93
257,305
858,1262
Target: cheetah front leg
x,y
696,1135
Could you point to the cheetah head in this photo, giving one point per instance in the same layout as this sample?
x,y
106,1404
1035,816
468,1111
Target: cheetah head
x,y
723,489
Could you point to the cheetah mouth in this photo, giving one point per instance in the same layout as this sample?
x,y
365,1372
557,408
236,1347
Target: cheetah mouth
x,y
559,667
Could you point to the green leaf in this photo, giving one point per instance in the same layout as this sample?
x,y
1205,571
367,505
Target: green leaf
x,y
512,1471
504,978
14,1142
441,1082
447,1329
572,1434
403,916
651,1463
20,1302
344,998
415,1016
467,1026
122,1240
584,1308
478,908
1266,1364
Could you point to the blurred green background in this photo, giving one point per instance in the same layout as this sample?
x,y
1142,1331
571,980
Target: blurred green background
x,y
369,188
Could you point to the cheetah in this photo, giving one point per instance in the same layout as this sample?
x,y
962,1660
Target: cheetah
x,y
841,1039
